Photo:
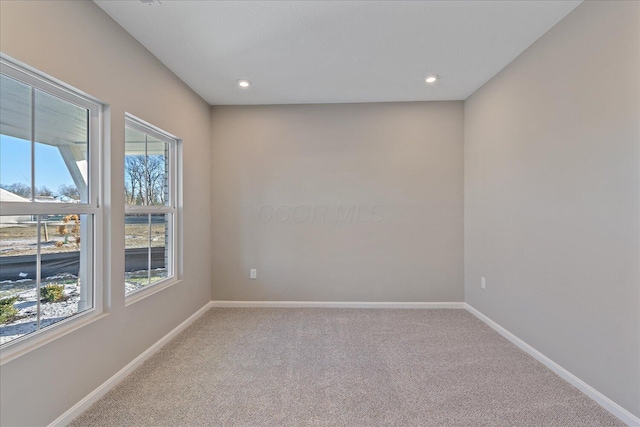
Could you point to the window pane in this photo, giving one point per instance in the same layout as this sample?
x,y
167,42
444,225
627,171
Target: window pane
x,y
160,256
157,172
18,284
148,182
66,281
135,151
136,242
146,169
15,140
61,149
66,285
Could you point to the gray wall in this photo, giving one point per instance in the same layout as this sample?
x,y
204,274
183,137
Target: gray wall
x,y
396,168
552,191
79,44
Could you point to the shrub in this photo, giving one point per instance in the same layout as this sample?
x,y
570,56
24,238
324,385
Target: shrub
x,y
7,311
52,293
70,230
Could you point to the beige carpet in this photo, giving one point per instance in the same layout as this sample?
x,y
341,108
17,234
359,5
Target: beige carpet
x,y
343,367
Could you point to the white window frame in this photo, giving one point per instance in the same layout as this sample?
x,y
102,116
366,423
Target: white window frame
x,y
173,208
95,265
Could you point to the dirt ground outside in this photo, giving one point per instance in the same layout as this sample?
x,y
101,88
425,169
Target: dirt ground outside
x,y
21,239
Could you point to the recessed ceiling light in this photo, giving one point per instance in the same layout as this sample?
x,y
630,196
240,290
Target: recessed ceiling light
x,y
244,83
432,78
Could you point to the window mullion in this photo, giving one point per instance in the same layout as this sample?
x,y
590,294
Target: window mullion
x,y
148,209
33,144
149,252
38,270
146,170
34,208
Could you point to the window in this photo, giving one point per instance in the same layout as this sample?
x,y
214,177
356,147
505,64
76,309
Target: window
x,y
49,204
151,188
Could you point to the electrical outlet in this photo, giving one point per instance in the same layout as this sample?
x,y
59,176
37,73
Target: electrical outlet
x,y
253,273
483,283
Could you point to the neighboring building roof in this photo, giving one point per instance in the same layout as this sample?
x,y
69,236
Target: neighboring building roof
x,y
46,199
8,196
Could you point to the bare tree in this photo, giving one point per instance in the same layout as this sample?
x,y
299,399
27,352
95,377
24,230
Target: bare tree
x,y
44,191
134,168
145,180
156,175
18,188
69,191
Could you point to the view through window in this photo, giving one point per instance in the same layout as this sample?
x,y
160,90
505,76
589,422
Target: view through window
x,y
150,196
49,203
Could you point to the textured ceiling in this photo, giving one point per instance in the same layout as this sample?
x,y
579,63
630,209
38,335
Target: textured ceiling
x,y
332,52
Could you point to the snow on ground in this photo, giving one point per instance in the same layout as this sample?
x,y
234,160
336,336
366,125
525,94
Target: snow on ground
x,y
138,279
52,312
27,306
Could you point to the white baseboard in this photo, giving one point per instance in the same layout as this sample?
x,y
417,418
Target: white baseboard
x,y
96,394
336,304
608,404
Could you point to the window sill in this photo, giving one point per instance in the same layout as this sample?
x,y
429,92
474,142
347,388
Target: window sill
x,y
30,342
143,293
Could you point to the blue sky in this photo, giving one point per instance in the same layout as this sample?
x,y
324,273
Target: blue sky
x,y
15,164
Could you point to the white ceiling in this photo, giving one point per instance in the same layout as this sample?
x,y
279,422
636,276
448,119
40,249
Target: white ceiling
x,y
332,52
